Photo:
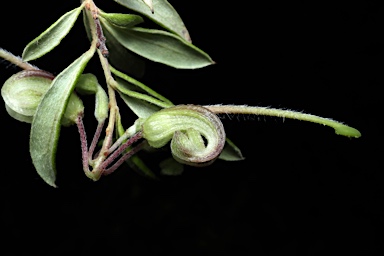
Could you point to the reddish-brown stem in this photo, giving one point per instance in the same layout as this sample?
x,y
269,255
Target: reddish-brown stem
x,y
101,38
126,156
120,150
83,140
95,139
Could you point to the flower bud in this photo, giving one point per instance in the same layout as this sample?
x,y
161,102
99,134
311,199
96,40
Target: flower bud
x,y
23,92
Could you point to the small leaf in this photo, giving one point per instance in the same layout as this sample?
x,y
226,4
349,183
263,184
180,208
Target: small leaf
x,y
122,20
164,15
231,152
160,46
102,105
73,109
171,167
87,84
45,129
52,37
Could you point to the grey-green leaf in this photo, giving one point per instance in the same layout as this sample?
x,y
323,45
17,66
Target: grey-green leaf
x,y
164,15
149,4
87,84
102,105
52,37
231,152
120,57
160,46
45,128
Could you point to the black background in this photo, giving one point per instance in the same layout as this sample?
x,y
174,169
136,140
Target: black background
x,y
302,190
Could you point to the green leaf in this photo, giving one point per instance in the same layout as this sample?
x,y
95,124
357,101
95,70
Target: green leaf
x,y
231,152
140,87
102,105
120,57
160,46
87,84
171,167
73,109
149,4
141,108
45,129
122,20
164,15
52,37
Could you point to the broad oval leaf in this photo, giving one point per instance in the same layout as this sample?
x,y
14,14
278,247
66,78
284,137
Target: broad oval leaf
x,y
52,37
160,46
163,14
45,128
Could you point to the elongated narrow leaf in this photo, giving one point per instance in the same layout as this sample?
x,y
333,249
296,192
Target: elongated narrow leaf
x,y
122,20
160,46
163,14
141,108
52,37
45,129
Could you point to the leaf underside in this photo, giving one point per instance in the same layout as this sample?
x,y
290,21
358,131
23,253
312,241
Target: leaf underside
x,y
163,14
52,37
160,46
45,128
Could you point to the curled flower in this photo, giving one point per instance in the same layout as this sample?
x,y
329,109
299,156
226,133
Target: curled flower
x,y
197,135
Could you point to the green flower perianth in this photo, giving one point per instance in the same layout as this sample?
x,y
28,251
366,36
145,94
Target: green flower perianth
x,y
186,125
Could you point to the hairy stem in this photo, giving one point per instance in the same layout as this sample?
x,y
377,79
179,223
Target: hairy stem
x,y
84,146
124,158
95,140
340,129
121,149
17,60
